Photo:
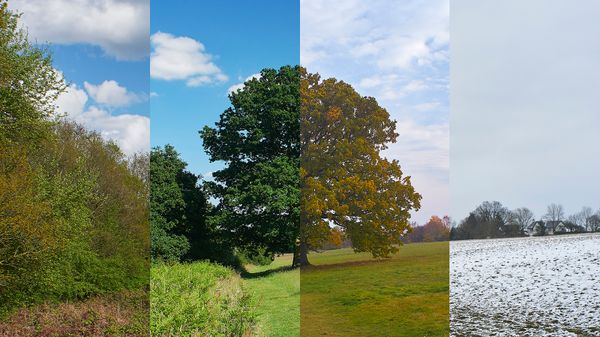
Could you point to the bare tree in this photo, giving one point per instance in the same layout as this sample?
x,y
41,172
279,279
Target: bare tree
x,y
586,213
522,217
594,222
554,214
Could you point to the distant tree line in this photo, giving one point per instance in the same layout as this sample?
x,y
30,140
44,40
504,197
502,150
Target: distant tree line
x,y
493,220
73,208
436,229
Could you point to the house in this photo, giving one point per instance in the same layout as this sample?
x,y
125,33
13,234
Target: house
x,y
541,227
536,228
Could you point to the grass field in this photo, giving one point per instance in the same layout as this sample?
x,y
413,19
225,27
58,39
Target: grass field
x,y
276,291
342,294
348,294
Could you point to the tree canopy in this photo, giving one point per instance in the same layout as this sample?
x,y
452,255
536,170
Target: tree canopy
x,y
29,84
345,181
288,132
73,213
258,139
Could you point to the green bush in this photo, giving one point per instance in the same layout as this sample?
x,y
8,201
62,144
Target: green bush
x,y
259,258
199,299
73,211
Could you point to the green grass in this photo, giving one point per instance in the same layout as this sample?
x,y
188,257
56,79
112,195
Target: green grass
x,y
276,290
343,294
199,299
348,294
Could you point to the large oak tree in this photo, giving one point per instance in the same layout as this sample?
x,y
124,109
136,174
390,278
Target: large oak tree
x,y
345,181
289,132
258,139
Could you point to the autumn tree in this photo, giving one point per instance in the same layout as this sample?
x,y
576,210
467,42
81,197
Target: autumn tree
x,y
257,139
436,229
345,181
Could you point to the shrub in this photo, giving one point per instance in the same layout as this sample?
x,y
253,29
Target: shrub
x,y
199,299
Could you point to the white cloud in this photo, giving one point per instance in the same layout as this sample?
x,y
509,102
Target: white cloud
x,y
182,58
72,101
411,34
110,93
240,85
131,132
120,27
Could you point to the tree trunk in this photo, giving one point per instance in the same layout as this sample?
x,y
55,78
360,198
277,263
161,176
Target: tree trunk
x,y
301,255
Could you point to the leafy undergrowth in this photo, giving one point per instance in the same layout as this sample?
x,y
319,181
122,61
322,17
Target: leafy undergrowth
x,y
123,313
276,289
199,299
348,294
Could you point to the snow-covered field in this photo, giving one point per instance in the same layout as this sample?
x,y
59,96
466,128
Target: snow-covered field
x,y
542,286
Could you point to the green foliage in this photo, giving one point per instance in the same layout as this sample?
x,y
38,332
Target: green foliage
x,y
199,299
260,257
73,216
167,205
258,138
74,220
29,84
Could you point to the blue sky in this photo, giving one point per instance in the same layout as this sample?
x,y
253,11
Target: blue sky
x,y
397,52
101,48
201,49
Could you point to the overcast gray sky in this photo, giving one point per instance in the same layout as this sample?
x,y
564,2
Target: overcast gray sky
x,y
524,104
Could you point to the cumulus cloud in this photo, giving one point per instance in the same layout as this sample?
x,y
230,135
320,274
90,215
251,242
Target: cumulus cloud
x,y
240,85
183,58
120,27
111,94
131,132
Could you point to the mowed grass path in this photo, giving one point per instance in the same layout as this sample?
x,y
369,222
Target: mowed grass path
x,y
348,294
276,292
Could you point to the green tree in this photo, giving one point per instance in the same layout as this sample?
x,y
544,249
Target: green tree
x,y
29,84
73,214
344,179
258,139
167,205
